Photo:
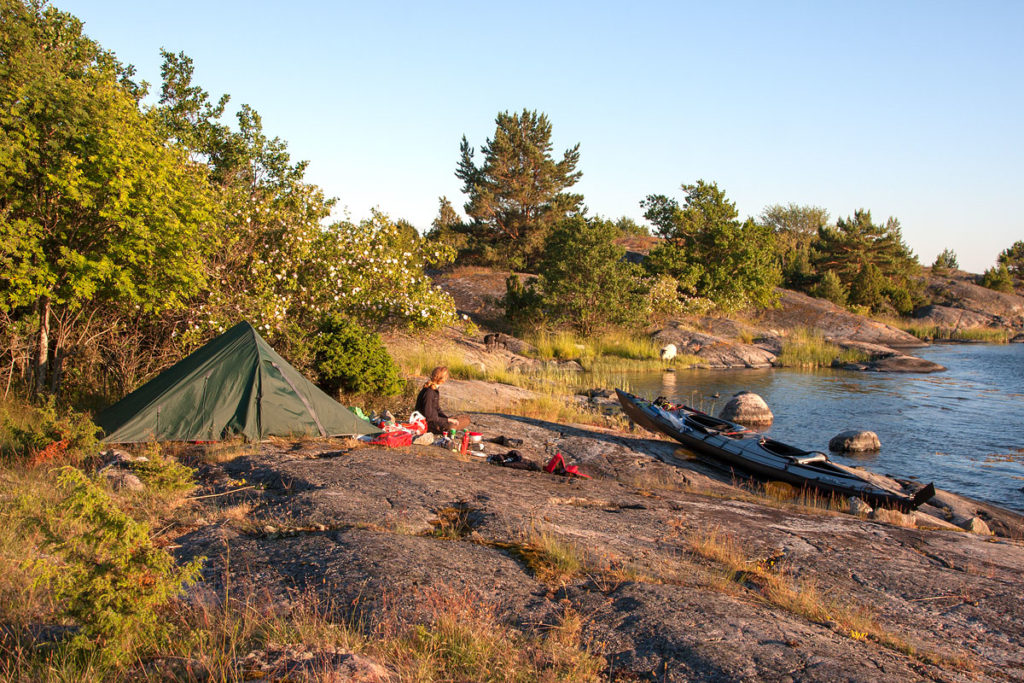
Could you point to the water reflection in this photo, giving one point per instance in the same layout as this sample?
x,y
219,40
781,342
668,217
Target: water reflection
x,y
668,383
938,427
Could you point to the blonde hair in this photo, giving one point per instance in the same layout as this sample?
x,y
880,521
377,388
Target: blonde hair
x,y
438,376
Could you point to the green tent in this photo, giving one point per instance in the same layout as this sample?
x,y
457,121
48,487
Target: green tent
x,y
235,385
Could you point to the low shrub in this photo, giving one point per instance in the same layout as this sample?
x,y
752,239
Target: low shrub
x,y
29,431
997,278
162,473
455,521
554,560
104,572
352,359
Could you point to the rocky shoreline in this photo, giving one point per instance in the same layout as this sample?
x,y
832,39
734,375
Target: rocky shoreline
x,y
358,526
959,304
683,571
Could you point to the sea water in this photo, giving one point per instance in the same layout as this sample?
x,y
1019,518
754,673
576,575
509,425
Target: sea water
x,y
962,429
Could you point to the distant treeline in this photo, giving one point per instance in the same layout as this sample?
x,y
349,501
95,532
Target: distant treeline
x,y
521,215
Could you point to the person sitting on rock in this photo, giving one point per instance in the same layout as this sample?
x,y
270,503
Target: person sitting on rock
x,y
428,404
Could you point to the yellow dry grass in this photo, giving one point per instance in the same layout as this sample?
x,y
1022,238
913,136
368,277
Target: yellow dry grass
x,y
771,582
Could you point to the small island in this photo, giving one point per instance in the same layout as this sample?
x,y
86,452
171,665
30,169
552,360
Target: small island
x,y
155,238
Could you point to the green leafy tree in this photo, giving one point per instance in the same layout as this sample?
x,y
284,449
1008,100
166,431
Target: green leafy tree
x,y
663,298
710,252
799,222
270,219
408,230
946,260
188,118
584,279
998,278
671,260
299,273
795,228
97,212
375,272
519,191
128,235
1013,258
271,223
372,272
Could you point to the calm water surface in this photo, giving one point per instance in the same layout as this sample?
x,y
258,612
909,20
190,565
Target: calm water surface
x,y
962,429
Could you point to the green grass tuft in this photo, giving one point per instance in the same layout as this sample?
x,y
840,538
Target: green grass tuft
x,y
805,348
929,332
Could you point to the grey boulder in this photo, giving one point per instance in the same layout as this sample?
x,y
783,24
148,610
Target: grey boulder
x,y
854,441
747,408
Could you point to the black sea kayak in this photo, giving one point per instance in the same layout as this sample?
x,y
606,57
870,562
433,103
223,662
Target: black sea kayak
x,y
754,453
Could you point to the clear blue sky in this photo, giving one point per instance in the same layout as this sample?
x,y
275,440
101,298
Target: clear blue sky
x,y
909,109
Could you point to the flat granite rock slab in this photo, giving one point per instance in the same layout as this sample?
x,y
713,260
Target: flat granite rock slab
x,y
684,635
352,525
362,572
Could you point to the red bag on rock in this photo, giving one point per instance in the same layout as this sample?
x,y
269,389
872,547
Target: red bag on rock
x,y
557,466
417,424
393,439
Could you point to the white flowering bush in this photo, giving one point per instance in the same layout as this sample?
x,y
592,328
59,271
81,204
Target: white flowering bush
x,y
286,276
376,273
275,262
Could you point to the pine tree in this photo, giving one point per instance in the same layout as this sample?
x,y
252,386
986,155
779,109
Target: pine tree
x,y
998,278
1013,259
585,281
831,287
446,217
856,243
867,288
519,191
946,260
709,251
447,228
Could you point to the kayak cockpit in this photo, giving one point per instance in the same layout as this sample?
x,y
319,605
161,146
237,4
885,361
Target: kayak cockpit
x,y
809,459
797,456
783,449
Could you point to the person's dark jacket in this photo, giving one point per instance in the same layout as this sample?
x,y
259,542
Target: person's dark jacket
x,y
428,404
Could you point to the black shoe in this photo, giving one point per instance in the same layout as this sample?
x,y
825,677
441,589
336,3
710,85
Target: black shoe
x,y
506,441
